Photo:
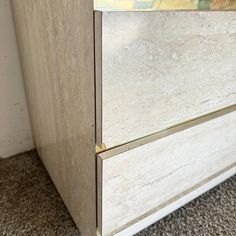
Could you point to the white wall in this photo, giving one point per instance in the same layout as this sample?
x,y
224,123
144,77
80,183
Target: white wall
x,y
15,132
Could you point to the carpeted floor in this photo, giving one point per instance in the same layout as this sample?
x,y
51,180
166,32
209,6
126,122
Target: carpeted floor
x,y
30,205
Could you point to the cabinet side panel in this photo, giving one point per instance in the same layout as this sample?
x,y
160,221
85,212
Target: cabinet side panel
x,y
55,39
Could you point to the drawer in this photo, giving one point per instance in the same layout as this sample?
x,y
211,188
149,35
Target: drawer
x,y
140,182
158,69
164,88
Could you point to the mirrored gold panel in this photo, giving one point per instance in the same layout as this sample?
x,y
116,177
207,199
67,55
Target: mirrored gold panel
x,y
152,5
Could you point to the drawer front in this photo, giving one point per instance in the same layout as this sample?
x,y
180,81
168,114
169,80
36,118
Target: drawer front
x,y
158,69
138,183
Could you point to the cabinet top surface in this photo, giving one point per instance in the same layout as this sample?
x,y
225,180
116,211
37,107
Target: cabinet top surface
x,y
154,5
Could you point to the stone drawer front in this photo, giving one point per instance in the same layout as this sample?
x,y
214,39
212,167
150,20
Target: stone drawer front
x,y
136,183
158,69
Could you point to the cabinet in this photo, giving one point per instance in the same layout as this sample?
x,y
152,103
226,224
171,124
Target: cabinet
x,y
133,112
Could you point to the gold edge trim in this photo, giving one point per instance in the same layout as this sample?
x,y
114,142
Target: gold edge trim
x,y
176,198
99,195
100,148
98,233
97,23
113,151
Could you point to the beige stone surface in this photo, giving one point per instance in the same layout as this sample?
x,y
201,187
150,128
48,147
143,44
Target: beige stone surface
x,y
163,68
56,46
142,181
15,131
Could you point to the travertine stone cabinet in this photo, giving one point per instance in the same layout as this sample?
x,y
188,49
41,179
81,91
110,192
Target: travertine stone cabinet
x,y
133,109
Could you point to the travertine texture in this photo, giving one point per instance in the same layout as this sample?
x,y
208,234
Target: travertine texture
x,y
137,182
15,131
163,68
56,45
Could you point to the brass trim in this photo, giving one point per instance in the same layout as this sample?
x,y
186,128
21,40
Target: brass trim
x,y
98,74
111,152
98,233
100,148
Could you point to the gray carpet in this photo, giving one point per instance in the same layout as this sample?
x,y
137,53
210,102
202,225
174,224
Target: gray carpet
x,y
30,205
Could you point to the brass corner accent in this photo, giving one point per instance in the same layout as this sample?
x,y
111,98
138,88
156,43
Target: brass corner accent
x,y
98,233
100,148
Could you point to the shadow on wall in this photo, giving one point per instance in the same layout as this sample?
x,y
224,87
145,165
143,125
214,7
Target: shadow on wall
x,y
15,131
